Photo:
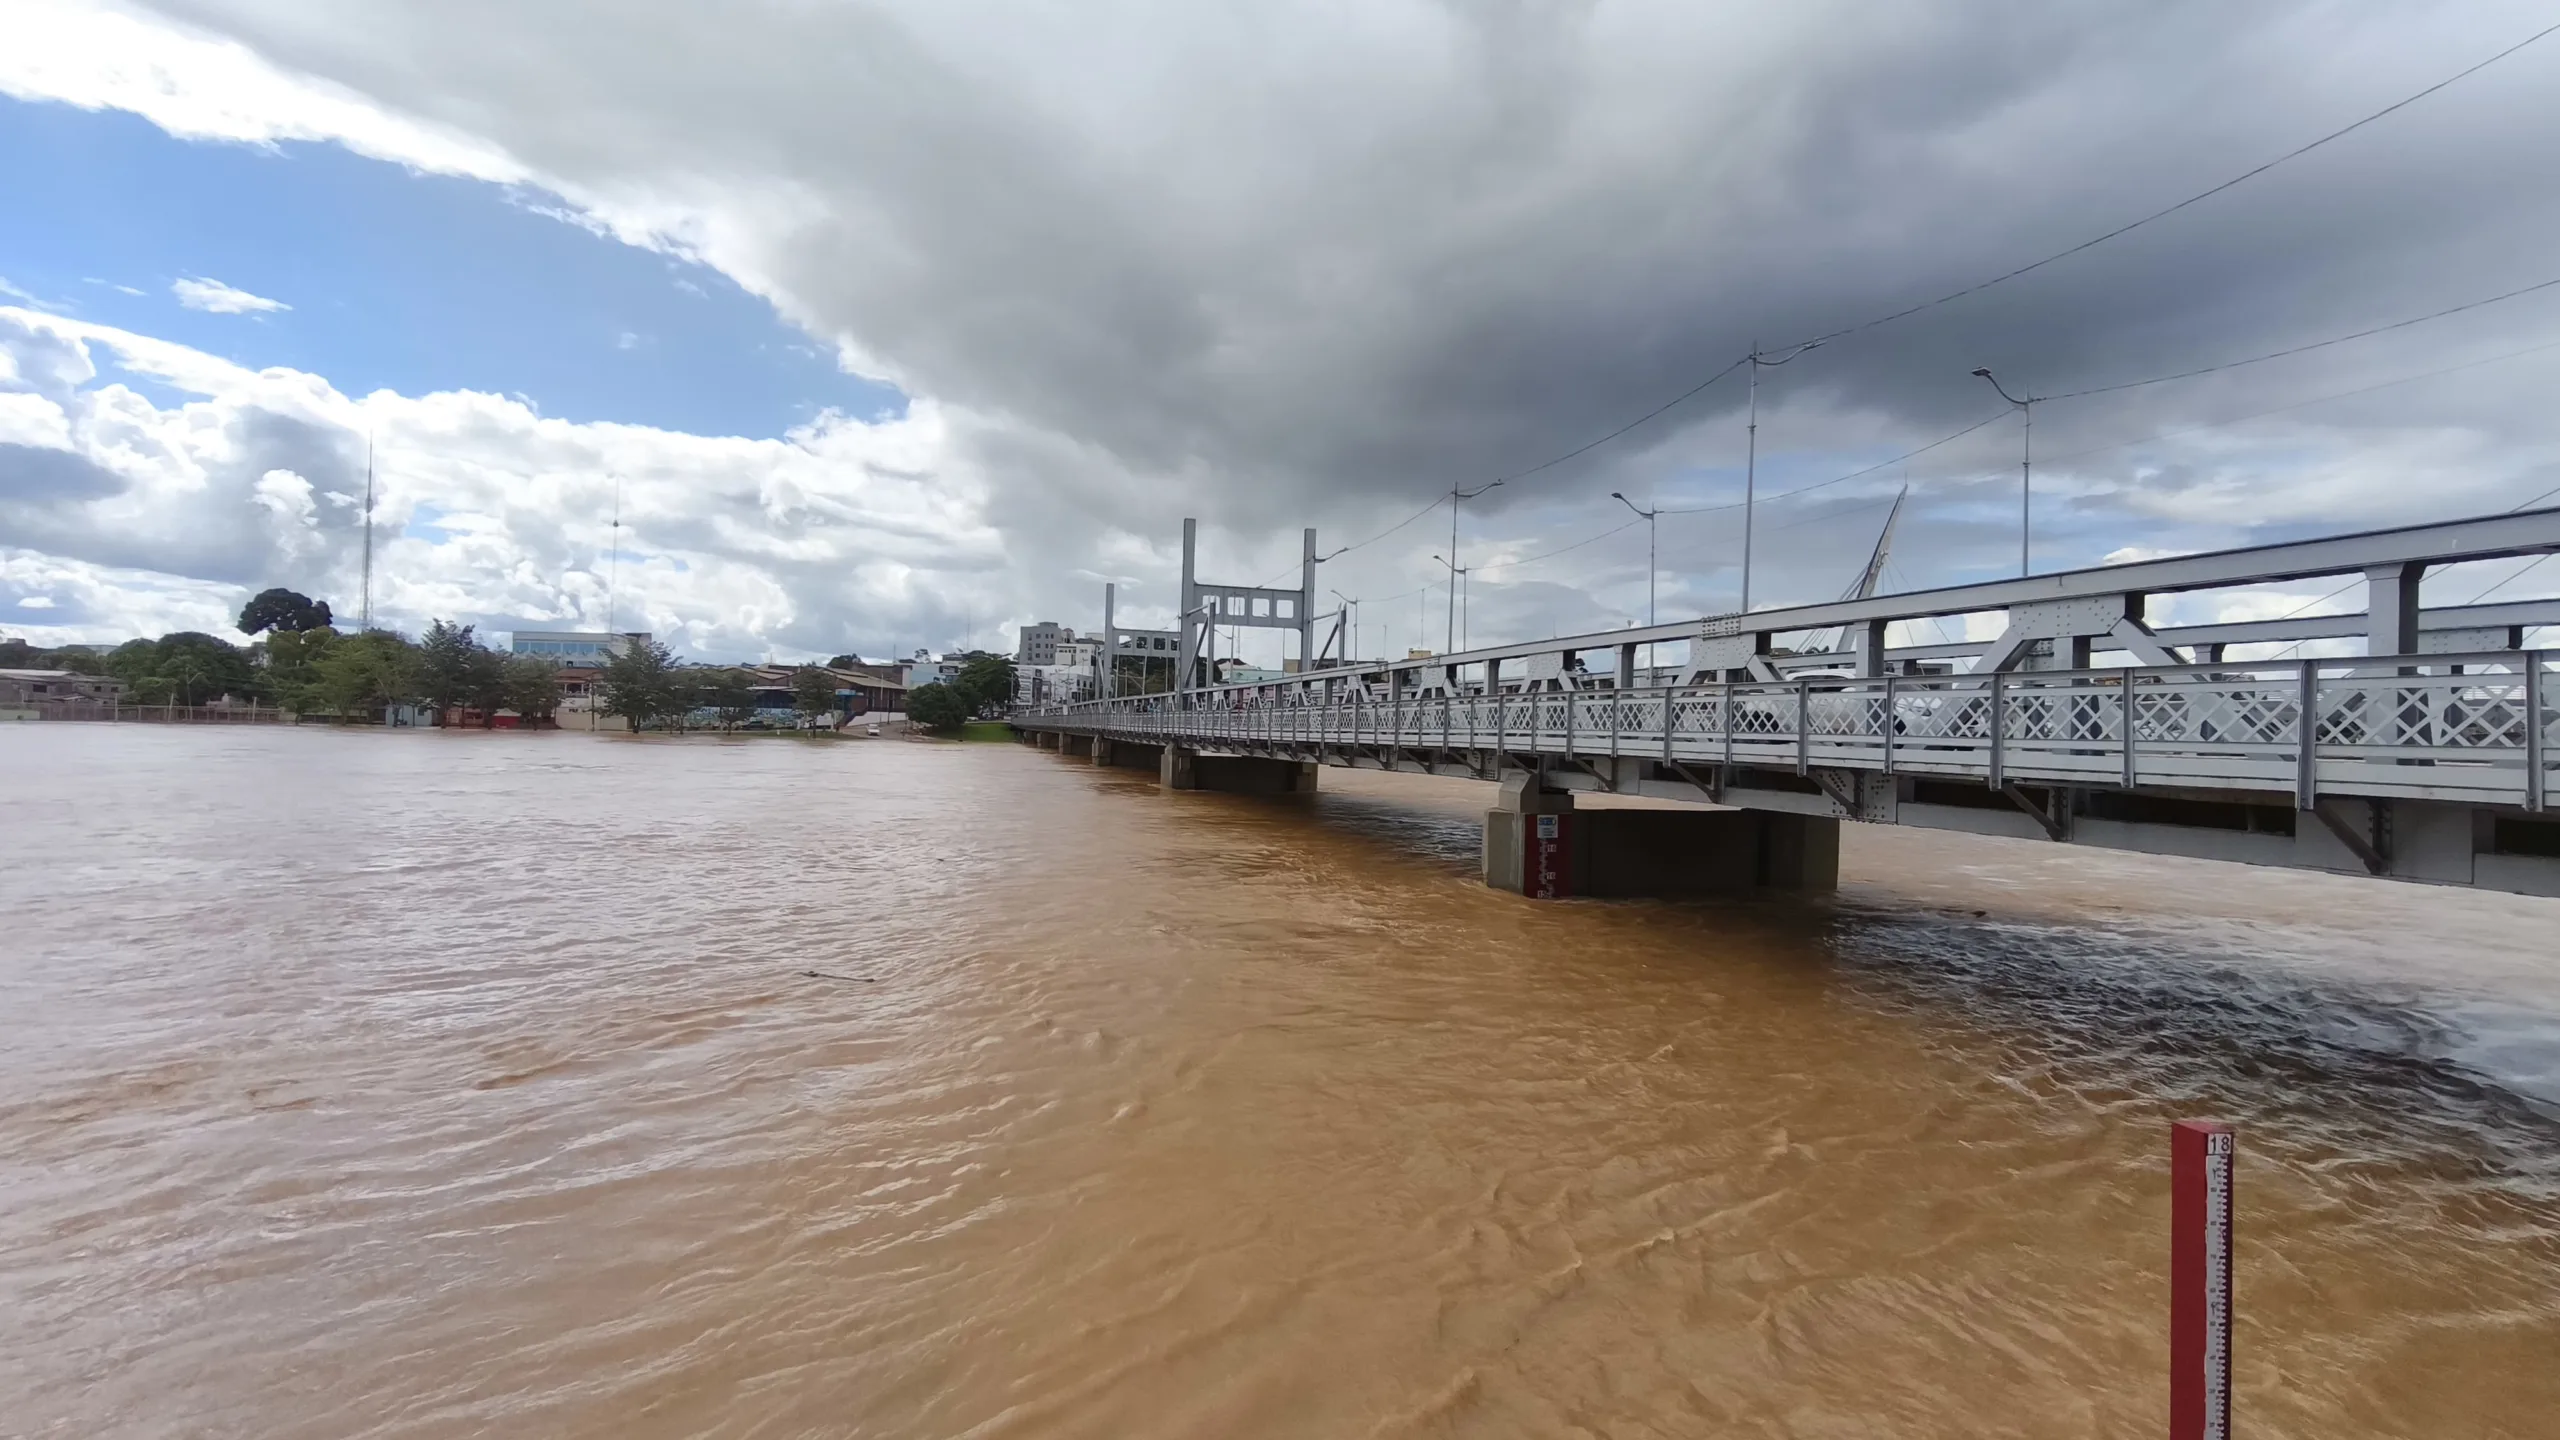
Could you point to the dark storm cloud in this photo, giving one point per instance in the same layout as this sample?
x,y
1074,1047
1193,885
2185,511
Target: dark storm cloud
x,y
1271,265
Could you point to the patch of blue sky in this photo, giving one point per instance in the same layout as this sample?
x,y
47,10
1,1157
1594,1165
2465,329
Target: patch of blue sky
x,y
426,522
400,281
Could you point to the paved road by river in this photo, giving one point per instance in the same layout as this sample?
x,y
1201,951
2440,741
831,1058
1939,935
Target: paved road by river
x,y
362,1084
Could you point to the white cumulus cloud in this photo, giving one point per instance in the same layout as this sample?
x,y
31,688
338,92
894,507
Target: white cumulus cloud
x,y
843,535
217,298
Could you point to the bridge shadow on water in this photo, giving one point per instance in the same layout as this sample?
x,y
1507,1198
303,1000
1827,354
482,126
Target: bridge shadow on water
x,y
2209,1016
2221,1025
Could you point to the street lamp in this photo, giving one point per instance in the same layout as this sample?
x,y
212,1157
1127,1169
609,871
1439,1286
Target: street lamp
x,y
1649,570
1456,495
1458,588
2026,464
1353,606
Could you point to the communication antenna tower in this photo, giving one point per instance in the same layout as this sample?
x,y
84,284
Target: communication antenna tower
x,y
366,622
613,558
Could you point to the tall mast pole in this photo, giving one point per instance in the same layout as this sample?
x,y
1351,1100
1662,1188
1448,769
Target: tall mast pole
x,y
2026,489
1750,476
366,622
1449,645
613,560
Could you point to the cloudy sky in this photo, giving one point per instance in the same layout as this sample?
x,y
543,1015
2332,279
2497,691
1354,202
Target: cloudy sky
x,y
898,324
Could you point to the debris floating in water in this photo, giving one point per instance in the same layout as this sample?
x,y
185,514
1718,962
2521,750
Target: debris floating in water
x,y
848,979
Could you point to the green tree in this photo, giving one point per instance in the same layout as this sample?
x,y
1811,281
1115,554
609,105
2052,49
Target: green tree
x,y
186,667
484,684
640,684
283,610
937,706
985,682
531,687
358,675
731,696
293,658
813,693
449,665
78,659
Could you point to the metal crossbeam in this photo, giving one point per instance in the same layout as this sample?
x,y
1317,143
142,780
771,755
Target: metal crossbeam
x,y
2450,542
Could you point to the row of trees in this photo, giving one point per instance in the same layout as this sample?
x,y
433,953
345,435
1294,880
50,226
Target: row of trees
x,y
324,672
316,671
646,687
304,665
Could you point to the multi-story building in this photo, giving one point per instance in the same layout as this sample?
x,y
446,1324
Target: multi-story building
x,y
1039,643
24,688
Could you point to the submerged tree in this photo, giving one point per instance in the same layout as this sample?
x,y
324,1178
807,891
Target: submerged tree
x,y
641,685
530,686
813,692
293,658
450,666
937,706
187,667
360,674
731,697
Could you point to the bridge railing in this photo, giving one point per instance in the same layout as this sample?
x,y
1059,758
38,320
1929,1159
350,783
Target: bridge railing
x,y
2476,727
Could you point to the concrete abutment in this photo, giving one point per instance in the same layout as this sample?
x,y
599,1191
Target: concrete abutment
x,y
1537,843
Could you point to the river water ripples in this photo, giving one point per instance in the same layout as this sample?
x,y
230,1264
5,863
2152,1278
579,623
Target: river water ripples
x,y
415,1085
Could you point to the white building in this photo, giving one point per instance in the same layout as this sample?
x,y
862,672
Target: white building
x,y
1039,643
926,670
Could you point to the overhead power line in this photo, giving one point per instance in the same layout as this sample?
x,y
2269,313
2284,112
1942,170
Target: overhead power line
x,y
2306,404
1561,549
1852,475
2201,195
1666,405
2302,349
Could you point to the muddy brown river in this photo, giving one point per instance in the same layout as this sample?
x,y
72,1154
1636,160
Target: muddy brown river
x,y
415,1085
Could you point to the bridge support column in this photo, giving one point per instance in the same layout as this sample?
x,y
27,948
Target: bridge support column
x,y
1079,745
1045,739
1537,843
1183,769
1121,752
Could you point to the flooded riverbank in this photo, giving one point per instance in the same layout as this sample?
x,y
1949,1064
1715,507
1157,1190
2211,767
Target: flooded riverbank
x,y
429,1085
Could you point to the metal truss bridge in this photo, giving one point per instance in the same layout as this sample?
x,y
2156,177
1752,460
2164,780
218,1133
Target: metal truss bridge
x,y
2428,756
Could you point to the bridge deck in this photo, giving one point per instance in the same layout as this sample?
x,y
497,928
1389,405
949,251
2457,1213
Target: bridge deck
x,y
2470,729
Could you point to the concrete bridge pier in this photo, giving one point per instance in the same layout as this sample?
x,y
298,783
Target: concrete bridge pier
x,y
1079,745
1045,739
1184,769
1536,843
1125,754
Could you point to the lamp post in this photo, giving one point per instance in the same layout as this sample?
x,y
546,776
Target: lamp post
x,y
2026,465
1353,606
1456,495
1458,587
1649,566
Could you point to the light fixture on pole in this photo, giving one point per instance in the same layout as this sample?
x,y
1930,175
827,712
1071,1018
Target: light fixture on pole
x,y
1751,459
2026,466
1456,495
1458,587
1649,567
